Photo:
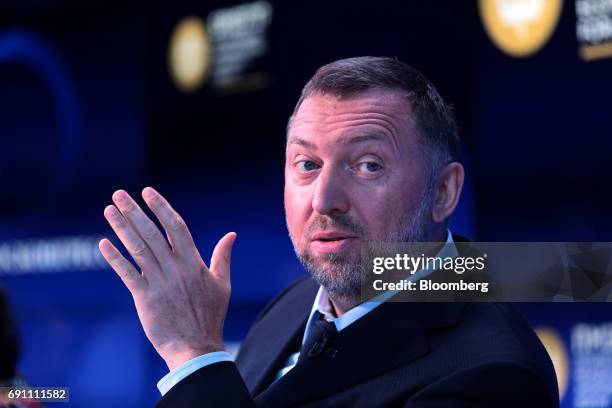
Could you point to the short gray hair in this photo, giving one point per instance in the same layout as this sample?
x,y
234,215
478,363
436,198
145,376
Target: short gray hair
x,y
435,121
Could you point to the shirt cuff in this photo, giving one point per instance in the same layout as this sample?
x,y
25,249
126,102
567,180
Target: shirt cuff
x,y
189,367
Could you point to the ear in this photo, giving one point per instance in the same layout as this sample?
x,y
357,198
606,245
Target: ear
x,y
450,183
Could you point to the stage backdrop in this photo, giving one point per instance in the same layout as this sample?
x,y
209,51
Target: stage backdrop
x,y
193,98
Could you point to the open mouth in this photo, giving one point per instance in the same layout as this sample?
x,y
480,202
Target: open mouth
x,y
331,241
331,236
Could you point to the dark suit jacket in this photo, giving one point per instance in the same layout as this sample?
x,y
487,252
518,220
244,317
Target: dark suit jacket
x,y
400,354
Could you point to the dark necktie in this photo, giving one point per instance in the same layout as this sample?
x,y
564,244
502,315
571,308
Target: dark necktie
x,y
320,334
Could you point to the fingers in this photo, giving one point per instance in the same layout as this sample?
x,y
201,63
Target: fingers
x,y
131,278
132,241
143,225
221,257
176,229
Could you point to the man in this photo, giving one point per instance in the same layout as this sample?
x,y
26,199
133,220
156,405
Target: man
x,y
371,157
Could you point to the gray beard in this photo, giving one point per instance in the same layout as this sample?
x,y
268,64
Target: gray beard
x,y
340,275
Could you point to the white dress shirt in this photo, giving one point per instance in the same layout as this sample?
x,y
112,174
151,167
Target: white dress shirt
x,y
321,304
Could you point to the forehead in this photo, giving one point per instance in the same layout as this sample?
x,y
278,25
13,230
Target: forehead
x,y
378,110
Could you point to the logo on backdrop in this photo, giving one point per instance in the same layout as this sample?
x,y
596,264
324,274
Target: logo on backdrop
x,y
189,54
557,351
520,27
225,52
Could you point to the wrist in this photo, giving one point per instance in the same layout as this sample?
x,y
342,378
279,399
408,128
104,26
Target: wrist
x,y
176,355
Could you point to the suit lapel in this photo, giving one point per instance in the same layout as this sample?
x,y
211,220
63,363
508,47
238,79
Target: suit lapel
x,y
275,337
390,336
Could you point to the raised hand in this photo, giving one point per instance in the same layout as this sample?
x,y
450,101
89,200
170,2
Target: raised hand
x,y
181,302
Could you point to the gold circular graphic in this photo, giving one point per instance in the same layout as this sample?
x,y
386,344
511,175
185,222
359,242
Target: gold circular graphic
x,y
520,27
556,350
189,54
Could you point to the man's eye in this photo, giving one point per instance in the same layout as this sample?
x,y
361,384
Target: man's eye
x,y
369,167
306,165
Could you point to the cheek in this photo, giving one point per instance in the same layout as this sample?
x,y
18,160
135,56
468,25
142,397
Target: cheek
x,y
382,208
374,215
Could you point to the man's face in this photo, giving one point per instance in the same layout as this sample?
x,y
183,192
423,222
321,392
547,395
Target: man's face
x,y
354,173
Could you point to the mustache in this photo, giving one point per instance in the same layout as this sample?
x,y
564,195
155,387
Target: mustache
x,y
342,222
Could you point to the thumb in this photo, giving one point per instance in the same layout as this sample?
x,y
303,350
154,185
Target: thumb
x,y
222,254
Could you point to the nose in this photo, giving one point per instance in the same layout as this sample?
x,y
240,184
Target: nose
x,y
330,195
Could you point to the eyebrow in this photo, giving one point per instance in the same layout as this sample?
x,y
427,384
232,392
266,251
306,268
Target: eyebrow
x,y
345,140
301,142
